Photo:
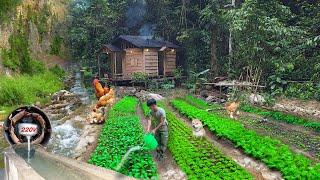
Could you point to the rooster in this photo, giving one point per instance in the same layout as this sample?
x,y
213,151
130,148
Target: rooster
x,y
98,89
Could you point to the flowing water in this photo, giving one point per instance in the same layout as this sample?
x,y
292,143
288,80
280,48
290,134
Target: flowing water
x,y
65,138
79,89
126,156
66,134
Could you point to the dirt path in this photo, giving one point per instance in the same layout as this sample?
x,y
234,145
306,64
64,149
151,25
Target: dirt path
x,y
306,108
255,167
167,169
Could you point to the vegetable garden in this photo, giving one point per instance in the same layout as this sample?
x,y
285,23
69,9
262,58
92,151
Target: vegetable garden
x,y
198,158
270,151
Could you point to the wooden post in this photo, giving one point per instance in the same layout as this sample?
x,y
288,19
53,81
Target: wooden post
x,y
98,58
214,60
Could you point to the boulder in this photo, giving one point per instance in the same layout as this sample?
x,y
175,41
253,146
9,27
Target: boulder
x,y
211,99
131,91
156,96
204,93
256,99
145,95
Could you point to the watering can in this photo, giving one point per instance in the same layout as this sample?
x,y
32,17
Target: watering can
x,y
149,142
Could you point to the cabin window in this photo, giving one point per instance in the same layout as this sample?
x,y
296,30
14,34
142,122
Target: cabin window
x,y
133,62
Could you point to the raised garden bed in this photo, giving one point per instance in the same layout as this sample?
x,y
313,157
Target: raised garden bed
x,y
122,131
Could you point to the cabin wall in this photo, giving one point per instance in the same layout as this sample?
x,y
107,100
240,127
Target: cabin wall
x,y
170,62
151,61
133,62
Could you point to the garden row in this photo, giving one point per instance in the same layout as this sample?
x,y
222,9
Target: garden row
x,y
198,158
121,132
279,116
276,115
270,151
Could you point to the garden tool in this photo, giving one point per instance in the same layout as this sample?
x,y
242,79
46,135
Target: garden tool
x,y
149,144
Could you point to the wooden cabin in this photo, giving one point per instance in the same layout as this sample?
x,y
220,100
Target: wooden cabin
x,y
129,54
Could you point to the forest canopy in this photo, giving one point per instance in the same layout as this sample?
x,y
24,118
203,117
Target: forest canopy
x,y
280,37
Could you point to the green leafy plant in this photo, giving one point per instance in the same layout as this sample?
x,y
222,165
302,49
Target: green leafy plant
x,y
280,116
197,78
305,91
270,151
277,81
140,77
122,131
55,47
167,84
7,6
58,71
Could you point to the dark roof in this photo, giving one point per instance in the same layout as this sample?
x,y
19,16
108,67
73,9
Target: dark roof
x,y
112,47
145,42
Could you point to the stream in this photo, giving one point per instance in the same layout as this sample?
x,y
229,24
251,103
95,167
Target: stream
x,y
67,129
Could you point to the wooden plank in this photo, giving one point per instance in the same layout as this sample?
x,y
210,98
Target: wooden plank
x,y
171,59
152,69
151,63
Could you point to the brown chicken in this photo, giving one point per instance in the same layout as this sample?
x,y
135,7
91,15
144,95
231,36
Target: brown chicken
x,y
107,99
232,108
98,89
106,90
97,116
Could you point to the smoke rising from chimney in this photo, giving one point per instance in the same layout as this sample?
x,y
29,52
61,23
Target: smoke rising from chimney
x,y
135,13
147,30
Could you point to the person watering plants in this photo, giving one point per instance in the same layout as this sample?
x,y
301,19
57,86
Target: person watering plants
x,y
160,126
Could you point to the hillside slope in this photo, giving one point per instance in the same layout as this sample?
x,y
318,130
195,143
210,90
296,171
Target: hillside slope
x,y
42,23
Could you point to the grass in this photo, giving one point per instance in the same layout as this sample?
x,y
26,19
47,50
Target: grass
x,y
25,89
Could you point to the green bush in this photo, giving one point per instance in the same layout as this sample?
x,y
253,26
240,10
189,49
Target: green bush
x,y
55,47
25,89
57,70
303,91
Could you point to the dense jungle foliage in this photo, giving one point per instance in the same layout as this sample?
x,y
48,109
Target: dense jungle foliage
x,y
280,37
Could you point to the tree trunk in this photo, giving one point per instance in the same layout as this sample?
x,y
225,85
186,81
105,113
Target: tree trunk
x,y
99,66
214,60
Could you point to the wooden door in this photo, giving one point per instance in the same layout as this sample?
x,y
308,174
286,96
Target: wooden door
x,y
161,55
118,63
